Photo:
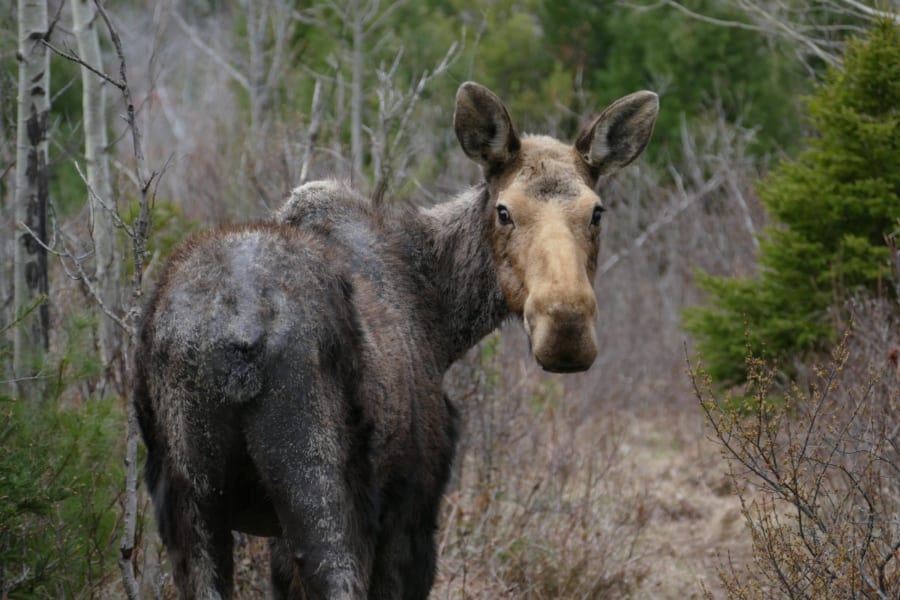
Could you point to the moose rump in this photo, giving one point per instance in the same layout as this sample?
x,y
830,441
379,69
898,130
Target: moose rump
x,y
251,402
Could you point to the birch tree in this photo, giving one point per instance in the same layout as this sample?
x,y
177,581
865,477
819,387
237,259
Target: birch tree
x,y
103,229
31,337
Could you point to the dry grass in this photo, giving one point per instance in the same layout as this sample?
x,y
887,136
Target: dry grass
x,y
646,517
554,499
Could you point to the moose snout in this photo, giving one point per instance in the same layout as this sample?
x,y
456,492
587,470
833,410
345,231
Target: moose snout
x,y
563,335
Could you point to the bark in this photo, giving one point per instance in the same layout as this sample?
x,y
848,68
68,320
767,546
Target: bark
x,y
31,337
356,89
103,226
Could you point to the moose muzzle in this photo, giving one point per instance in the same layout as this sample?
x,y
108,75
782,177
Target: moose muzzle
x,y
561,328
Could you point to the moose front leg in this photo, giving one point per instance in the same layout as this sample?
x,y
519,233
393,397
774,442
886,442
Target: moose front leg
x,y
405,564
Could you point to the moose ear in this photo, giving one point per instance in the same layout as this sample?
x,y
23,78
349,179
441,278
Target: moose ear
x,y
620,133
483,126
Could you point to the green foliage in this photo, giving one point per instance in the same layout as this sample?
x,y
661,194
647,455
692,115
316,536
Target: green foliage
x,y
697,67
59,476
170,227
67,190
60,472
833,206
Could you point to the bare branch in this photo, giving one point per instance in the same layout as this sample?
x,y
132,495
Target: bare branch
x,y
871,12
16,580
667,217
73,56
79,273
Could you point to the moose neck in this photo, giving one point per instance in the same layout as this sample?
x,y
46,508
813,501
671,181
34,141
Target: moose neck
x,y
462,267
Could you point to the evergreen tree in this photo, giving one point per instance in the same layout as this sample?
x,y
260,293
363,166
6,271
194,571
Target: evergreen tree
x,y
832,208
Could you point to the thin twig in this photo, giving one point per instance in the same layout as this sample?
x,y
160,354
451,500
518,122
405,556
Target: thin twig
x,y
140,232
73,56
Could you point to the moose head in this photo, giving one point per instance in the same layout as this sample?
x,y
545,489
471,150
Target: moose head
x,y
545,213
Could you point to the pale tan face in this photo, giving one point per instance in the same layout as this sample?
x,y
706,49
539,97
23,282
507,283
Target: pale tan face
x,y
545,220
545,237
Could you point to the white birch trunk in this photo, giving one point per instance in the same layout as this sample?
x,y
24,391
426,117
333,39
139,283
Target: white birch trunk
x,y
356,90
103,230
31,337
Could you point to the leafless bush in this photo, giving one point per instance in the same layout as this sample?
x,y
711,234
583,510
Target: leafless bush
x,y
822,460
533,511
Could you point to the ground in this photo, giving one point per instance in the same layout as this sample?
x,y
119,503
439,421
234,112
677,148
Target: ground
x,y
695,521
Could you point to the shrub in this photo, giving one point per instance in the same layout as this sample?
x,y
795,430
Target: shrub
x,y
817,475
534,510
833,207
59,476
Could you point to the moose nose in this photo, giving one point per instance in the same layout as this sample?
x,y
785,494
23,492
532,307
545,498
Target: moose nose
x,y
563,336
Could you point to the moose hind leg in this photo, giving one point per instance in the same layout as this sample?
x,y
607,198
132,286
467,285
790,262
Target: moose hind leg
x,y
187,484
320,495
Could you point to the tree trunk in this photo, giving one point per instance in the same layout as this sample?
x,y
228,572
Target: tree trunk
x,y
103,229
31,337
356,91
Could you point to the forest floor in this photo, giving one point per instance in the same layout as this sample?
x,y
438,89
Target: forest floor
x,y
687,521
695,522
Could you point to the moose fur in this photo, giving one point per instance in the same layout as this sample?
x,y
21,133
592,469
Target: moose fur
x,y
289,373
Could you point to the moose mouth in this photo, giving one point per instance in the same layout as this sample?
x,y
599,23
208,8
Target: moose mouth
x,y
565,368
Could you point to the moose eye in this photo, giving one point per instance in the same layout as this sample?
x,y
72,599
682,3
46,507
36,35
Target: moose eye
x,y
503,215
598,212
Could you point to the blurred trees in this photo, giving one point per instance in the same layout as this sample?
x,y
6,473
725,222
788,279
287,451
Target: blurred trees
x,y
834,206
554,63
699,68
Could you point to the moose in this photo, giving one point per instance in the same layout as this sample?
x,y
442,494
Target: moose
x,y
289,373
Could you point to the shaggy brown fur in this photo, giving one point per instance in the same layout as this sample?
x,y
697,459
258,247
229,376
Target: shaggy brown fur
x,y
289,374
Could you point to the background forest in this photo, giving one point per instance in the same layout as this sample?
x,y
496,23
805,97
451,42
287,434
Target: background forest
x,y
738,435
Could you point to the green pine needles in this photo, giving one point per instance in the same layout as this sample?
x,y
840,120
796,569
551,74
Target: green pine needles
x,y
832,206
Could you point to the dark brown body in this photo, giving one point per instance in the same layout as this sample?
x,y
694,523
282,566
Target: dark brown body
x,y
289,374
